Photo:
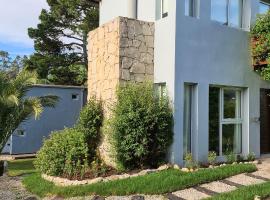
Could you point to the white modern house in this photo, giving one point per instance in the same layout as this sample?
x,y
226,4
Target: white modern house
x,y
202,56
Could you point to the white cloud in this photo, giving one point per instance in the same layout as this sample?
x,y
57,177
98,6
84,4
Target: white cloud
x,y
16,16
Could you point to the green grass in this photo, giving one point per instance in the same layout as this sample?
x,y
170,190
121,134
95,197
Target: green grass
x,y
156,183
246,193
20,167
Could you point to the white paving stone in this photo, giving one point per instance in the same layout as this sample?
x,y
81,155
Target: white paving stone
x,y
155,197
191,194
244,180
119,198
218,187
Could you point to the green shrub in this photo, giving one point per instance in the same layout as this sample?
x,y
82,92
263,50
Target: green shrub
x,y
142,126
189,162
69,152
251,156
65,153
231,157
212,156
89,123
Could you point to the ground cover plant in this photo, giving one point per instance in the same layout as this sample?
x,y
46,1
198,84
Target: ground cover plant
x,y
142,126
156,183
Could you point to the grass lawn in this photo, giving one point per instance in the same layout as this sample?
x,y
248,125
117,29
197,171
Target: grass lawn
x,y
156,183
20,167
246,193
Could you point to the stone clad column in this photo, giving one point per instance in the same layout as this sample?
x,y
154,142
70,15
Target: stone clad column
x,y
119,51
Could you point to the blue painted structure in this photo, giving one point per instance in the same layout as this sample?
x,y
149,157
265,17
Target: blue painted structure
x,y
29,136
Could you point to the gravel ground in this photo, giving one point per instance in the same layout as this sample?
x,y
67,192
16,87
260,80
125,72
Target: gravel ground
x,y
12,189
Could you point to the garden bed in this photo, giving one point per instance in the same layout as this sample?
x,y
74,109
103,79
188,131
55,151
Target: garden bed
x,y
155,183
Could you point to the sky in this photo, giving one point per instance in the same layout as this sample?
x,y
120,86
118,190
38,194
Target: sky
x,y
16,16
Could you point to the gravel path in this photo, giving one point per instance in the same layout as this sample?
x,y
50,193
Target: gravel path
x,y
12,189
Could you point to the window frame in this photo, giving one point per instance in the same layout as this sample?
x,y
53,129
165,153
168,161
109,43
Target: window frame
x,y
192,8
228,14
229,121
164,14
264,2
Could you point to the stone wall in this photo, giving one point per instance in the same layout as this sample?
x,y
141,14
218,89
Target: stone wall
x,y
119,51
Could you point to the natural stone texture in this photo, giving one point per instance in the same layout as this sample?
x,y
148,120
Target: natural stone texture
x,y
119,51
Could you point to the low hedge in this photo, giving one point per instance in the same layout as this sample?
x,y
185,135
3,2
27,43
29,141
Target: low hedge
x,y
69,152
64,154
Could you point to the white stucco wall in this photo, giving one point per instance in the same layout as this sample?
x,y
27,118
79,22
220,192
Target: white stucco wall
x,y
204,52
110,9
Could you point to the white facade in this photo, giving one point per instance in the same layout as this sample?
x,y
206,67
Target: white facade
x,y
198,52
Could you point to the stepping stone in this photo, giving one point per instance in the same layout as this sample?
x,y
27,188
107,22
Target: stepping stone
x,y
137,198
218,187
119,198
155,197
191,194
171,196
244,180
263,174
258,177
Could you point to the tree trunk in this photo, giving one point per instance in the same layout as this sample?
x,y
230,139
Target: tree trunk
x,y
85,53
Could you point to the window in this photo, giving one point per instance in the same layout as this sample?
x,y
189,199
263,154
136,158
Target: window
x,y
75,97
164,8
20,133
192,8
225,120
228,12
189,117
161,89
264,7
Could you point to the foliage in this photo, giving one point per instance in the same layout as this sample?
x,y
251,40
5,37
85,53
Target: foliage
x,y
90,122
21,167
15,107
230,157
189,162
260,34
65,153
163,182
9,65
72,152
142,126
61,39
212,157
251,156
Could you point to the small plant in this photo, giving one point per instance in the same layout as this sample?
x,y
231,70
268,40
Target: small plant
x,y
212,156
189,162
251,156
231,157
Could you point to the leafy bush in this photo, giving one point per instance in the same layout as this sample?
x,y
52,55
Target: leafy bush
x,y
231,157
189,162
142,126
89,123
65,153
212,156
69,152
251,156
260,34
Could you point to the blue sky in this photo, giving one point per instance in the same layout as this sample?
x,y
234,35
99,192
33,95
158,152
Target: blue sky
x,y
15,17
